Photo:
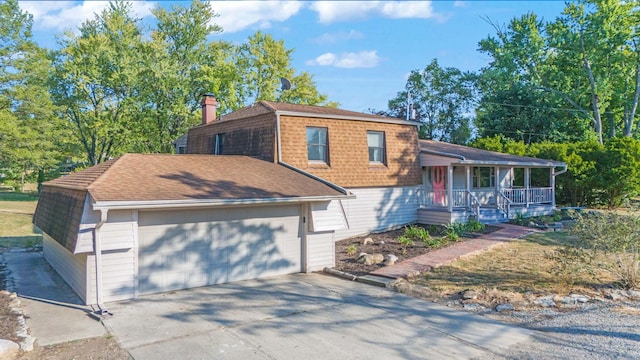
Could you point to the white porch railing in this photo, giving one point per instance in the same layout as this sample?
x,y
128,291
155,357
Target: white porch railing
x,y
520,196
465,199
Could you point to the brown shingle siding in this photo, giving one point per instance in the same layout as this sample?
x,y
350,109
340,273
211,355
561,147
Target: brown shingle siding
x,y
253,137
59,213
349,155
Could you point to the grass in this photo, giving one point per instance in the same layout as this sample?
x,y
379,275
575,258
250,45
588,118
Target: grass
x,y
16,211
518,267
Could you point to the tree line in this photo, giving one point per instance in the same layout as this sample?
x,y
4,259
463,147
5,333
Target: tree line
x,y
116,86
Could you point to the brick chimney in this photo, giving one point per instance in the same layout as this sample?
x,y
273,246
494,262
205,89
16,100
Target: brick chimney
x,y
208,104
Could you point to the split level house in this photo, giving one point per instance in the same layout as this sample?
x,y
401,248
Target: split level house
x,y
267,190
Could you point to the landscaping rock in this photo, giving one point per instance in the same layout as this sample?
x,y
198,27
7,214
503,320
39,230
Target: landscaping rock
x,y
360,257
633,294
389,260
469,295
473,307
504,307
8,349
614,295
545,301
371,259
367,241
381,242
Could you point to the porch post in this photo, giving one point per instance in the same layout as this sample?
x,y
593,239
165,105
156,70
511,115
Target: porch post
x,y
496,183
450,187
527,180
467,169
552,183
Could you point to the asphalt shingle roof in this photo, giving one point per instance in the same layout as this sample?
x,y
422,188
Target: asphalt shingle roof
x,y
470,154
150,177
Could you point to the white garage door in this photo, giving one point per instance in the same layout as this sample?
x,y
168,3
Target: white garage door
x,y
190,248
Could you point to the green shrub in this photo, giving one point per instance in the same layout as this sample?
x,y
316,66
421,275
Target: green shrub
x,y
416,233
474,226
352,250
405,242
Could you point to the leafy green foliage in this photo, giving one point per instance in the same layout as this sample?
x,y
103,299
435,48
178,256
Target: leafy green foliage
x,y
352,250
417,233
442,99
571,79
405,241
474,226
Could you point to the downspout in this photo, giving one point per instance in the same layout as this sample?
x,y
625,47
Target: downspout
x,y
97,247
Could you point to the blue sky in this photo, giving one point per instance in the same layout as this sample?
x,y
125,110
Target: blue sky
x,y
360,52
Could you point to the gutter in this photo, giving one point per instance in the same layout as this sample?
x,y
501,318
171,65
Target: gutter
x,y
155,204
442,154
97,247
564,170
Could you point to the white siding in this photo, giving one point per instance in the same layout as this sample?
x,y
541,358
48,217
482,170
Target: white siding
x,y
505,177
320,250
435,160
117,233
459,178
72,268
327,216
118,275
379,209
189,248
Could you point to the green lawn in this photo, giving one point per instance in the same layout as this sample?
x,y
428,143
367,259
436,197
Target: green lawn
x,y
16,212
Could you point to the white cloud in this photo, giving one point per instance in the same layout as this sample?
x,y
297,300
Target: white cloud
x,y
62,15
336,11
350,60
459,3
239,15
331,38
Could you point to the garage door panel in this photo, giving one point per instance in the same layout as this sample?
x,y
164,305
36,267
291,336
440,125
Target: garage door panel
x,y
216,246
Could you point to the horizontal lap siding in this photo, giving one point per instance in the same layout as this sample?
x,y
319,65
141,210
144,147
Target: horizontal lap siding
x,y
434,217
72,268
320,250
117,233
378,209
118,275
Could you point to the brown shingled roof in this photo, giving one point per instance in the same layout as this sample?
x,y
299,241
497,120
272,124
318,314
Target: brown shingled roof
x,y
470,155
264,107
156,177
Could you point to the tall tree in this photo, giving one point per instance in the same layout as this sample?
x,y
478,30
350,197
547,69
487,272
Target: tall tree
x,y
28,129
570,79
262,61
94,78
175,66
443,100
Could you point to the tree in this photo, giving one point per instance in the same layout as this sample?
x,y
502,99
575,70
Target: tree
x,y
262,61
94,79
28,129
566,80
175,72
442,99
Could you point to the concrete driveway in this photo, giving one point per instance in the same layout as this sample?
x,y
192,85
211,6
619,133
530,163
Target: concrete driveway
x,y
303,316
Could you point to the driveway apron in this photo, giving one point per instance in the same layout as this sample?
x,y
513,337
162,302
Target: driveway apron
x,y
306,316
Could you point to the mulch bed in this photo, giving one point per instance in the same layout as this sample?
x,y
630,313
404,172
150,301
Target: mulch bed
x,y
387,243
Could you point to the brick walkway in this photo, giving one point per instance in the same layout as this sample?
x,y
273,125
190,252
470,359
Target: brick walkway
x,y
451,253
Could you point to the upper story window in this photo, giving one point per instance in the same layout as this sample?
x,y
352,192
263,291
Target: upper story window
x,y
375,140
218,145
317,146
484,177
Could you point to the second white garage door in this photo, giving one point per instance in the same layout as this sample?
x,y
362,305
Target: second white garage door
x,y
190,248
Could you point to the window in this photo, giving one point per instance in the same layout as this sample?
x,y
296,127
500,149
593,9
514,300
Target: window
x,y
218,146
182,149
317,145
375,140
484,177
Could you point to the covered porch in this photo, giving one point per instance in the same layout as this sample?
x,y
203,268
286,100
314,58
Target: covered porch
x,y
462,183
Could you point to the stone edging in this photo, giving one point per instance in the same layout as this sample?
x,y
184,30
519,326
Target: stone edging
x,y
26,344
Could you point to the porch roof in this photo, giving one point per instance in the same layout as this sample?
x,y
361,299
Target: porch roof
x,y
469,155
